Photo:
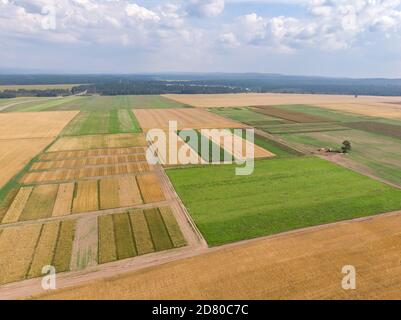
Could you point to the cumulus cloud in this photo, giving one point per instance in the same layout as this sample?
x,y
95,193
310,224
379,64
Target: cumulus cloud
x,y
205,8
92,21
330,25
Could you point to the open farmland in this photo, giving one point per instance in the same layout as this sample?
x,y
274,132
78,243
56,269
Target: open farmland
x,y
16,154
281,195
289,115
46,104
303,127
389,130
266,99
98,142
302,265
185,118
371,153
85,242
101,103
102,122
33,125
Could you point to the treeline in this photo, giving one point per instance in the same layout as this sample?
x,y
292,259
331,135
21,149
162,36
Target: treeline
x,y
155,87
188,83
6,94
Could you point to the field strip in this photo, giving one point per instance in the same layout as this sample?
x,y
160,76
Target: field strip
x,y
28,288
107,247
85,247
97,213
62,206
2,108
66,167
348,165
104,152
14,212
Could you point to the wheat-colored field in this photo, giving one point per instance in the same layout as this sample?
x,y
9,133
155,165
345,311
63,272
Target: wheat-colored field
x,y
186,119
263,99
99,141
15,154
303,265
34,124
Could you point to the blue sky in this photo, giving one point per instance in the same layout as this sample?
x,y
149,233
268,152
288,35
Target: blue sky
x,y
358,38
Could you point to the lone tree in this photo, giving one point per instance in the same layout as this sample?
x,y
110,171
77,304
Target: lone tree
x,y
346,147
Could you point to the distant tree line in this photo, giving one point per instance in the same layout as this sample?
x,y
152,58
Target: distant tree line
x,y
34,93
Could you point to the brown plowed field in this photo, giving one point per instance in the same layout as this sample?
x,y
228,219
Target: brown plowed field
x,y
290,115
33,124
99,141
186,119
302,265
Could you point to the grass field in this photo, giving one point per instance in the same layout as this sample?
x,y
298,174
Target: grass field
x,y
49,104
289,115
102,122
373,153
281,195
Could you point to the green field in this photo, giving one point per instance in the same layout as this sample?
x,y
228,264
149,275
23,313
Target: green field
x,y
376,154
43,104
97,103
281,195
246,116
102,122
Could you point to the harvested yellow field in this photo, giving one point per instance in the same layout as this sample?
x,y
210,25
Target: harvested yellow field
x,y
65,194
87,162
129,192
302,265
373,110
99,141
109,194
17,246
34,124
263,99
86,198
186,119
40,203
16,154
183,151
83,173
238,147
45,249
150,188
65,155
15,210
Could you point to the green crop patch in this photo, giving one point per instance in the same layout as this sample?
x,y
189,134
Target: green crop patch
x,y
157,228
281,195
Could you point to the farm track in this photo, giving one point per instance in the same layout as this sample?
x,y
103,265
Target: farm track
x,y
110,271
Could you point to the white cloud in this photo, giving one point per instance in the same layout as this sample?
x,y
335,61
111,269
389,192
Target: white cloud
x,y
205,8
331,25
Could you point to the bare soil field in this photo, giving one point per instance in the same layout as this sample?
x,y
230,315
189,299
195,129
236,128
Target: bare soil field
x,y
302,265
33,124
99,142
290,115
263,99
16,154
186,119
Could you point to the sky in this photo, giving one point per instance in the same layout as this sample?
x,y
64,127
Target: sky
x,y
336,38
